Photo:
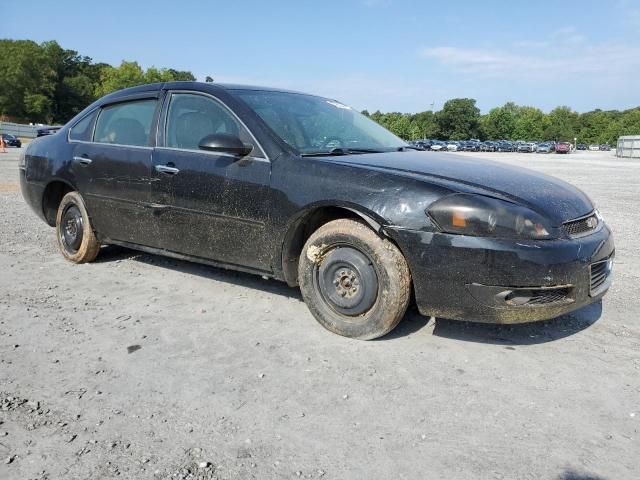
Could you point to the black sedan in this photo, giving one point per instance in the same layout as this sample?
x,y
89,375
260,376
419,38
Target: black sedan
x,y
43,132
306,190
11,141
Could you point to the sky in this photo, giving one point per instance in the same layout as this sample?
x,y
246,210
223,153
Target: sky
x,y
390,55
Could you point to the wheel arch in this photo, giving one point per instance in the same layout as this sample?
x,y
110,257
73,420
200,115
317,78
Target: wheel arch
x,y
308,221
52,195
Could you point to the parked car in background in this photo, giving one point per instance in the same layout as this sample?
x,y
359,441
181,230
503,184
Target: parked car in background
x,y
488,146
594,147
581,146
212,173
505,146
605,147
563,147
528,147
44,131
545,148
10,140
471,146
452,146
424,144
437,145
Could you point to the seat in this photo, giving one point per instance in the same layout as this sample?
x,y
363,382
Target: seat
x,y
190,128
128,131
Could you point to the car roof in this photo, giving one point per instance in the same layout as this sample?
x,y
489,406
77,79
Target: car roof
x,y
152,87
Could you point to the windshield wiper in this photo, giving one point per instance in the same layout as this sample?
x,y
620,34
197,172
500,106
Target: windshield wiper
x,y
365,150
332,152
407,147
341,151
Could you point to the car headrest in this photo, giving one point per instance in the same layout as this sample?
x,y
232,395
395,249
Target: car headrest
x,y
128,131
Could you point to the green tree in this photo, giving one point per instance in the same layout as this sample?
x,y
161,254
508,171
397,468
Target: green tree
x,y
27,81
47,83
500,122
401,126
75,77
561,124
459,119
593,126
530,124
182,75
425,125
130,74
627,124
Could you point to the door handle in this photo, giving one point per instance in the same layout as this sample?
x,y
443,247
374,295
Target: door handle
x,y
83,160
167,170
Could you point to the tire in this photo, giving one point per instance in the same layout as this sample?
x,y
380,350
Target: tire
x,y
76,240
355,283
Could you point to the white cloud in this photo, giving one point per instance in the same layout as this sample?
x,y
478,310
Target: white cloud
x,y
563,53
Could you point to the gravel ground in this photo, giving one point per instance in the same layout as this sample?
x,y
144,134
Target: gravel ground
x,y
138,366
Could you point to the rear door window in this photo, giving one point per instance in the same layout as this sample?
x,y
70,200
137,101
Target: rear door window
x,y
127,123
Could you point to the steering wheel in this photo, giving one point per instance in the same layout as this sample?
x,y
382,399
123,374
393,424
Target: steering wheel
x,y
333,139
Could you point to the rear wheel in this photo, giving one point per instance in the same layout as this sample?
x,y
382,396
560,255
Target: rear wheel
x,y
74,232
355,283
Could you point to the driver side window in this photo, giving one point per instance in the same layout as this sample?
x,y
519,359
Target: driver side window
x,y
192,117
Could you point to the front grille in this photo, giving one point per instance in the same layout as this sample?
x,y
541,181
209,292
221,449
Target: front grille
x,y
581,226
599,273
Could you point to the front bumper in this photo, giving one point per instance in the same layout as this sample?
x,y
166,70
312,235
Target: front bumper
x,y
505,281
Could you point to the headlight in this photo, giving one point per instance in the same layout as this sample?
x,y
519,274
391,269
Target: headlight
x,y
481,216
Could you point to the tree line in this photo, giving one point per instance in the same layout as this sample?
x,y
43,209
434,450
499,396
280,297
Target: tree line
x,y
45,83
460,119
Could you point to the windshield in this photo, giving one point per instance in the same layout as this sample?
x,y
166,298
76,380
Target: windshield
x,y
315,125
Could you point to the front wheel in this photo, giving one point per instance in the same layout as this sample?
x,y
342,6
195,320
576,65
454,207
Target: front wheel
x,y
74,232
355,283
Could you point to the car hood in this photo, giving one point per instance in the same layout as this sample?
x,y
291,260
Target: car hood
x,y
559,201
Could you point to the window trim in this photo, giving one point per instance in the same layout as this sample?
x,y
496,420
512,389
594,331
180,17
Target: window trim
x,y
161,130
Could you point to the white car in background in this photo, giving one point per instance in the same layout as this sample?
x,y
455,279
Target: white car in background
x,y
594,147
452,146
438,146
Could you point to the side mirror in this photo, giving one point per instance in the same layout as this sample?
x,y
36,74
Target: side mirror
x,y
225,143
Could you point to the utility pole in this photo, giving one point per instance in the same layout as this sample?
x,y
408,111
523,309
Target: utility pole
x,y
432,106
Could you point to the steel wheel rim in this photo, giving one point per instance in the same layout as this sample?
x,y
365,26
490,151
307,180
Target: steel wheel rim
x,y
71,229
346,280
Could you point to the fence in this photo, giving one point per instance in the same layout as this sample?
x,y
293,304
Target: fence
x,y
18,130
628,146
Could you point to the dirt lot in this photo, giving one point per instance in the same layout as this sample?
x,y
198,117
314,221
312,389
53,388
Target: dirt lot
x,y
142,367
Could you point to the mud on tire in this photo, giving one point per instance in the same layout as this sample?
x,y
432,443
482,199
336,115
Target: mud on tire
x,y
76,240
355,283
